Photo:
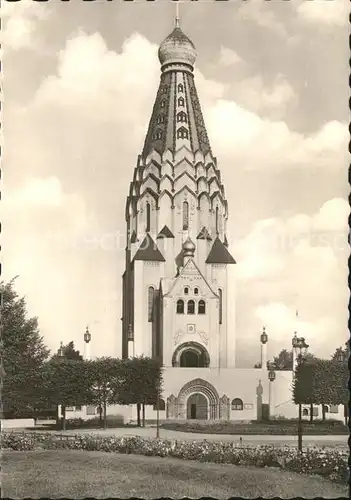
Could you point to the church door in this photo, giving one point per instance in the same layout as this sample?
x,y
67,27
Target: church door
x,y
193,411
197,407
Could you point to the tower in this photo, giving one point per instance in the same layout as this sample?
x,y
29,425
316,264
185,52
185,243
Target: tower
x,y
178,295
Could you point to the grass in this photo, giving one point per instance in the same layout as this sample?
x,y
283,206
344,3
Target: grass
x,y
78,474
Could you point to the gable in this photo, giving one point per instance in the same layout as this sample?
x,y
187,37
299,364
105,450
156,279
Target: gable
x,y
190,274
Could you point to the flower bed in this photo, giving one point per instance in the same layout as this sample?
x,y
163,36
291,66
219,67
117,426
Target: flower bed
x,y
332,464
274,427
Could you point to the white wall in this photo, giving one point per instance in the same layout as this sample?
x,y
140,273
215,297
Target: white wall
x,y
17,423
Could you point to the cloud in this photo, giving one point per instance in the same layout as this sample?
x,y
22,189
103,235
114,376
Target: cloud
x,y
281,323
45,192
254,95
90,73
260,13
80,137
324,12
20,23
234,129
272,243
228,57
298,262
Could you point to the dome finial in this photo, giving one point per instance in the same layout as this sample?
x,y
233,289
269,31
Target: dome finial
x,y
177,19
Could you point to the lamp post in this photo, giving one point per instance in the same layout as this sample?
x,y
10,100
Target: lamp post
x,y
158,411
131,344
87,339
299,344
341,355
264,340
340,358
60,350
271,377
60,408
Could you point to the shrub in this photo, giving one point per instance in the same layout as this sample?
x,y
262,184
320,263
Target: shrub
x,y
113,421
17,441
330,463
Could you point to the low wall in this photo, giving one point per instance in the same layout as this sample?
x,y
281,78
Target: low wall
x,y
17,423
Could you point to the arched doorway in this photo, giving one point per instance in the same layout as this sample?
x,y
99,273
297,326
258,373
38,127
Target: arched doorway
x,y
191,355
197,392
197,407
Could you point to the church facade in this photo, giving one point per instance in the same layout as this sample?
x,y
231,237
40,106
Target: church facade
x,y
179,279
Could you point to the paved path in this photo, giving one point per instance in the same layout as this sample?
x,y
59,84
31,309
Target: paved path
x,y
334,441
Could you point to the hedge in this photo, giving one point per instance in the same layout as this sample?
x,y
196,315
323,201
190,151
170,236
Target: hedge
x,y
329,463
287,427
113,421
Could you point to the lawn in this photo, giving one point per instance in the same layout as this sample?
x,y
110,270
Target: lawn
x,y
81,474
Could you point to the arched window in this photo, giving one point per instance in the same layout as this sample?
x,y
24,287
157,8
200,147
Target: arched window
x,y
161,405
182,117
182,133
181,101
217,220
185,215
180,87
237,404
180,306
191,307
158,134
202,307
148,216
160,119
196,291
220,293
150,300
186,290
163,103
305,412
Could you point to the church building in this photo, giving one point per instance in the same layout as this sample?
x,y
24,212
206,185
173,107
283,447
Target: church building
x,y
179,279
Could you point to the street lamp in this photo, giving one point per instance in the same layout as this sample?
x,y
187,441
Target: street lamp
x,y
340,358
300,344
87,336
264,336
60,354
158,412
271,377
87,339
60,351
264,340
341,355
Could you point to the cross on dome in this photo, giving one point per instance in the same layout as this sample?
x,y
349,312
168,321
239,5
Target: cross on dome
x,y
177,48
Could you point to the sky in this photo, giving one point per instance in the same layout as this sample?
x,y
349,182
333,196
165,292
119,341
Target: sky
x,y
80,79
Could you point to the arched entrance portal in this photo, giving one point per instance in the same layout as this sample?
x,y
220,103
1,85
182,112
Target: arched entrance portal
x,y
203,395
197,407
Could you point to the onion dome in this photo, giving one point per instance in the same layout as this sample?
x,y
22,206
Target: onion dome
x,y
188,248
177,48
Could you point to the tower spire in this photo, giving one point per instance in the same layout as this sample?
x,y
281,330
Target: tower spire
x,y
177,19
